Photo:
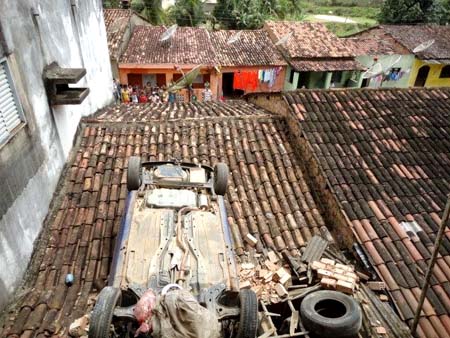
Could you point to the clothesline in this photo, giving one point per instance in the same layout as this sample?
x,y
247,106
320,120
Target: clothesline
x,y
249,80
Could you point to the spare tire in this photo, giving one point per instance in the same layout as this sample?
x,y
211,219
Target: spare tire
x,y
220,178
102,314
331,314
134,173
248,319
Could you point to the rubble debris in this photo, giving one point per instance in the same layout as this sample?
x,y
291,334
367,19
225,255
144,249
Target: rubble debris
x,y
251,240
245,285
79,327
381,330
281,276
273,257
281,290
315,249
376,286
383,298
335,276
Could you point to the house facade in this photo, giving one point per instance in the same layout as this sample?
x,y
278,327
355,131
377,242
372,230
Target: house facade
x,y
249,55
147,60
316,57
410,56
46,43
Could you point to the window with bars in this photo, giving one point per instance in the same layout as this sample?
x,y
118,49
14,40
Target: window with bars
x,y
10,112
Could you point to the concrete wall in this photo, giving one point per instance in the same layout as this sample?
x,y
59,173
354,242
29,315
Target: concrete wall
x,y
433,79
321,80
405,62
31,161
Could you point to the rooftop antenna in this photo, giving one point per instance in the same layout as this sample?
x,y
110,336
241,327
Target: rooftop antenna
x,y
168,33
284,39
235,37
186,80
423,46
374,70
394,63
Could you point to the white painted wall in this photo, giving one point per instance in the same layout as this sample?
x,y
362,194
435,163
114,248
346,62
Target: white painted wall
x,y
72,37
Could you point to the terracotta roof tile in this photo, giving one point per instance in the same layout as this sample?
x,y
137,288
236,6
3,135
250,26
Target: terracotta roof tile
x,y
309,40
116,21
267,196
403,182
321,65
188,46
253,48
412,36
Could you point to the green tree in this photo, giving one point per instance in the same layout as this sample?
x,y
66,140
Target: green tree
x,y
440,12
188,12
402,11
111,3
153,11
137,5
251,14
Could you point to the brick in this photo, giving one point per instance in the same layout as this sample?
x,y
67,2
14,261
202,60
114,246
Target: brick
x,y
376,286
250,239
328,261
245,285
281,290
346,287
328,283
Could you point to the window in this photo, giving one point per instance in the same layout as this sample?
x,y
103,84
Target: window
x,y
291,76
336,77
445,72
10,112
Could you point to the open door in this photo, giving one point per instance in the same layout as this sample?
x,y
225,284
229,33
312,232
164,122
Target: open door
x,y
422,76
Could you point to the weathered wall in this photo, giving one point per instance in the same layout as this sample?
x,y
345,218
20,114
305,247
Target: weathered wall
x,y
404,62
433,79
31,162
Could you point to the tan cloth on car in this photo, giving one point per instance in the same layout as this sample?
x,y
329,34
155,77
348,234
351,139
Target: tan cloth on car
x,y
179,315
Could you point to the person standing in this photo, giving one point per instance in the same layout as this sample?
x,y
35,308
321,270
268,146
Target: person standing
x,y
117,91
125,94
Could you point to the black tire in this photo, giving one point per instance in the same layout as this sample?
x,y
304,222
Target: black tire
x,y
248,319
101,316
221,178
134,173
331,314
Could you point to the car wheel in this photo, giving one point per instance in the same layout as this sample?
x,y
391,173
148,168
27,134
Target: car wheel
x,y
220,178
134,173
102,314
248,320
331,314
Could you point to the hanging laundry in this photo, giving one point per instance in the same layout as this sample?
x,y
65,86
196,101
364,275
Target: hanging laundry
x,y
247,81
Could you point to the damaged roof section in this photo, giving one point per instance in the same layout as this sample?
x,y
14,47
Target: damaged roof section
x,y
267,197
177,111
386,157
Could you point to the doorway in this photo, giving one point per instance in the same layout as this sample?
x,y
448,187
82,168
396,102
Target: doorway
x,y
422,75
227,86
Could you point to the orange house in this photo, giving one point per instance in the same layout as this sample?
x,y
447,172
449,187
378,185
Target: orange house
x,y
244,56
147,59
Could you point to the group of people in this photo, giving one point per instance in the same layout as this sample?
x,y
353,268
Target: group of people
x,y
153,94
135,94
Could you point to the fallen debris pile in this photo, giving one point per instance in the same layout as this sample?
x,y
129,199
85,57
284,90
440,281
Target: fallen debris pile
x,y
336,276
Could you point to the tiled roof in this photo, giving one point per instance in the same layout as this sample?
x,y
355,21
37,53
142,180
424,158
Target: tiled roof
x,y
267,197
177,111
188,46
375,41
309,40
325,65
386,156
412,36
253,48
116,21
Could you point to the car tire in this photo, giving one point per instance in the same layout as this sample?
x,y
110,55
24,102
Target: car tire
x,y
221,173
102,314
134,173
331,314
248,319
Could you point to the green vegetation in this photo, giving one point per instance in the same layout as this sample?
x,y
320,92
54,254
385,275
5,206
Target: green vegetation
x,y
415,11
187,13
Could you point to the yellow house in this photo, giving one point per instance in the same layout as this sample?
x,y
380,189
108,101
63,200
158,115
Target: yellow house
x,y
430,73
430,44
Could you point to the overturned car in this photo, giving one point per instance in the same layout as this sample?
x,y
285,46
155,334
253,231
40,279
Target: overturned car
x,y
173,262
